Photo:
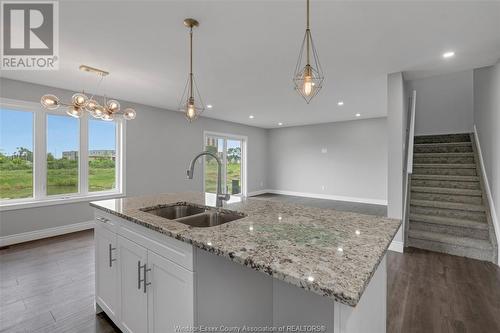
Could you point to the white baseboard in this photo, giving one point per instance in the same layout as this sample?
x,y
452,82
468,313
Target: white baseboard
x,y
494,217
396,246
44,233
259,192
330,197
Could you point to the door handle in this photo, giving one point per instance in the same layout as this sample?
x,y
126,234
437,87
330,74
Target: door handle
x,y
145,278
111,249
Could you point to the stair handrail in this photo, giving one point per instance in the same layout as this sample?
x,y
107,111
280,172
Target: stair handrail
x,y
408,170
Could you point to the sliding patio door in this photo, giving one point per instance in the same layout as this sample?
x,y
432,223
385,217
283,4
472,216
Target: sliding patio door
x,y
231,150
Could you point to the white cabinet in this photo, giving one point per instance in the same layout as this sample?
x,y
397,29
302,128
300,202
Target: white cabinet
x,y
134,301
170,295
106,271
138,284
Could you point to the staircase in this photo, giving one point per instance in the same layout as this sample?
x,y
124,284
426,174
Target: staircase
x,y
448,208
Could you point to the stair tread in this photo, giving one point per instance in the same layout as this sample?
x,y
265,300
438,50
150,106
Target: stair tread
x,y
448,205
449,221
444,166
450,239
443,154
446,190
446,177
435,144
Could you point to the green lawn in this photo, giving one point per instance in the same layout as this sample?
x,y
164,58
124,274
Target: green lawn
x,y
234,172
16,184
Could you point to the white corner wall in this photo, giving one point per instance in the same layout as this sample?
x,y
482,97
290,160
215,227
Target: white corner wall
x,y
444,103
342,160
487,123
396,122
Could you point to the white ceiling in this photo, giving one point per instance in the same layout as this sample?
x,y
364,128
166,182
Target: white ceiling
x,y
245,52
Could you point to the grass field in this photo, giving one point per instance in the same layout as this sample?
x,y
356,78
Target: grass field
x,y
16,184
233,172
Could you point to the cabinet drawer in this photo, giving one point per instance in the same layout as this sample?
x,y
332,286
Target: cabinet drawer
x,y
179,252
107,221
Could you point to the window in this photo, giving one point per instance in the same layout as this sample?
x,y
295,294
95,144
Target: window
x,y
232,153
102,155
62,154
48,156
16,154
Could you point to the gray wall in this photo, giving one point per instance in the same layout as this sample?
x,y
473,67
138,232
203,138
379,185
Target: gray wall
x,y
354,165
159,145
487,121
444,103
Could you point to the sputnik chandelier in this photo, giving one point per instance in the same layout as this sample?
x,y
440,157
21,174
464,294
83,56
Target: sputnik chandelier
x,y
191,103
108,110
308,76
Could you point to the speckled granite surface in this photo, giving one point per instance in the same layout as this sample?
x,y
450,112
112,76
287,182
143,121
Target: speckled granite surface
x,y
330,253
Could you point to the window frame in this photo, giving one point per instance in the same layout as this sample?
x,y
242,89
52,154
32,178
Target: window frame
x,y
40,197
244,158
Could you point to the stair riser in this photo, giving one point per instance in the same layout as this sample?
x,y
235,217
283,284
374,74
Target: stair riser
x,y
443,149
450,230
445,183
447,197
453,213
444,159
441,171
456,250
443,138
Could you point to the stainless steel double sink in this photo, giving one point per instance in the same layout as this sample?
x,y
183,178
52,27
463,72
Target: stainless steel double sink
x,y
194,215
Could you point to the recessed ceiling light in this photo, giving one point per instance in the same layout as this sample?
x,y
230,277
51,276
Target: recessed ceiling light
x,y
358,114
448,54
251,116
280,124
340,103
209,106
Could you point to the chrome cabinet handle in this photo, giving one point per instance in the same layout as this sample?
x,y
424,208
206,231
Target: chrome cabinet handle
x,y
145,277
111,249
139,280
102,219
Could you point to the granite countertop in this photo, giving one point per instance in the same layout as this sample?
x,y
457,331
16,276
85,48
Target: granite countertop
x,y
328,252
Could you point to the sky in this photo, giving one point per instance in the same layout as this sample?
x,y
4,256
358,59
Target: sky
x,y
16,130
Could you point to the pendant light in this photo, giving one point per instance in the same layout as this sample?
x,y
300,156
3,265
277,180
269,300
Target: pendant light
x,y
308,76
191,102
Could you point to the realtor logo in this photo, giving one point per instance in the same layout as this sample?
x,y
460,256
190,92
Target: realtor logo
x,y
30,37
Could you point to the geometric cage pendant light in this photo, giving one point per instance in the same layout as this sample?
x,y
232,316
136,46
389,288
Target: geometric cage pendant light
x,y
308,76
191,102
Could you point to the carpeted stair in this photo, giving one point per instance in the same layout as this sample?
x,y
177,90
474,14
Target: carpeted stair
x,y
448,212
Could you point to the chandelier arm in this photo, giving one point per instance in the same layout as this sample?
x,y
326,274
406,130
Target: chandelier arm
x,y
184,93
299,61
316,59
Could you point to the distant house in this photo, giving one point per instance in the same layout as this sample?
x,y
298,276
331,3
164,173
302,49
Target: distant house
x,y
93,154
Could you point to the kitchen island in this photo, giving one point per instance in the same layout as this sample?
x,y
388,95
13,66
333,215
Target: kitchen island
x,y
277,266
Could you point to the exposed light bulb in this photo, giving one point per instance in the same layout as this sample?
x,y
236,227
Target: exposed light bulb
x,y
74,111
107,116
190,111
50,102
129,114
91,105
79,99
308,81
113,105
98,111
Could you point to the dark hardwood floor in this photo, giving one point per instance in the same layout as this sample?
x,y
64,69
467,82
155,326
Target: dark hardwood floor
x,y
48,286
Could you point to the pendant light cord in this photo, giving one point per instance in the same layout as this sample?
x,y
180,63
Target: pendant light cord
x,y
191,62
308,34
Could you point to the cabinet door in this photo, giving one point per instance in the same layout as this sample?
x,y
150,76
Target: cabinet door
x,y
106,271
170,295
134,305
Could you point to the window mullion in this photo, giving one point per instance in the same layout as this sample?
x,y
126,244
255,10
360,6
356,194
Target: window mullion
x,y
40,155
84,155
